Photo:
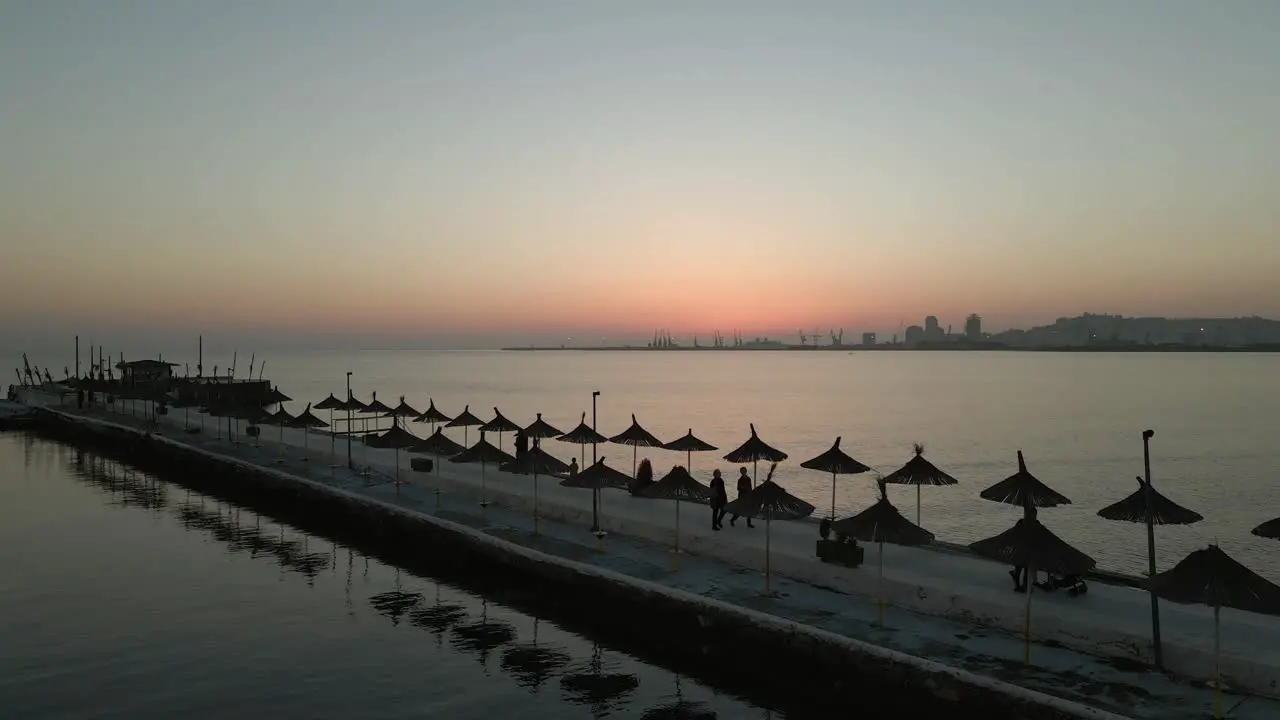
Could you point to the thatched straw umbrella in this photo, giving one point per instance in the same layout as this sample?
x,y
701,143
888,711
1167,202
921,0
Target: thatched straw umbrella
x,y
499,425
597,477
688,444
403,412
349,406
1023,489
439,445
331,403
536,462
466,421
680,486
1211,577
375,407
484,454
582,436
275,397
1146,505
919,472
282,419
396,438
836,462
636,437
753,451
770,501
539,429
1269,529
882,523
1031,545
432,415
306,421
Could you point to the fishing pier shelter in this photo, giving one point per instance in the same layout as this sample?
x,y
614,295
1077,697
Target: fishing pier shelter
x,y
145,372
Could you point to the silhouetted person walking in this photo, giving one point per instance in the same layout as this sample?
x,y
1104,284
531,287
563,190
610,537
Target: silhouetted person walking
x,y
744,487
719,498
522,445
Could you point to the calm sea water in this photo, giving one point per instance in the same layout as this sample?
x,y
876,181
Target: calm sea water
x,y
125,596
1078,417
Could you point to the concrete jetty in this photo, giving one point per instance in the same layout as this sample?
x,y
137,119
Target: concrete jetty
x,y
952,619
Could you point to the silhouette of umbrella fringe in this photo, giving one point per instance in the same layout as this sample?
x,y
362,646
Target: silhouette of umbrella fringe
x,y
1269,529
688,444
541,429
485,454
397,438
637,437
836,462
770,501
1163,510
498,425
679,710
282,419
1022,486
432,416
680,486
403,410
882,523
1212,577
1031,545
331,403
919,472
466,421
597,477
753,451
536,462
306,421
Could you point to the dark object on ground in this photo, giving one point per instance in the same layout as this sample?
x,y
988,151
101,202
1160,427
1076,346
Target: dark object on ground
x,y
1074,584
849,554
425,465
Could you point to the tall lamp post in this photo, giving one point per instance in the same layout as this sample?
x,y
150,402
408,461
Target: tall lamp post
x,y
350,464
1157,649
595,493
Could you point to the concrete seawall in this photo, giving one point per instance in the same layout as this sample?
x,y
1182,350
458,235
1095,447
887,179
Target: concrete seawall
x,y
808,661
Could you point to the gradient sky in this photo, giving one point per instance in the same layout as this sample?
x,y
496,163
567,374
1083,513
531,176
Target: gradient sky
x,y
492,168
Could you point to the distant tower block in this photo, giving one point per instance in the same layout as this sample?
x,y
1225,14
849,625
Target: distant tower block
x,y
868,339
973,327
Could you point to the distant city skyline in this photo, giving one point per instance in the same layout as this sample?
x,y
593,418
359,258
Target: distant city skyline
x,y
480,173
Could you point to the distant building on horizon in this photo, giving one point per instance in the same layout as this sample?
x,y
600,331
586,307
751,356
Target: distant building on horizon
x,y
868,339
932,330
915,334
973,327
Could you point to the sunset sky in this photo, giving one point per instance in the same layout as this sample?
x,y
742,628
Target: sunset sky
x,y
480,169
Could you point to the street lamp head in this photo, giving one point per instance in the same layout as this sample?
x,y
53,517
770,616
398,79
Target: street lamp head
x,y
595,393
1148,434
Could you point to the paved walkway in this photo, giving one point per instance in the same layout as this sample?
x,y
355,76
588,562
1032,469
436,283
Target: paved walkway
x,y
944,587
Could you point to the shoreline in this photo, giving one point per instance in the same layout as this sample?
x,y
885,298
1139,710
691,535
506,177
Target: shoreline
x,y
700,627
898,348
1059,622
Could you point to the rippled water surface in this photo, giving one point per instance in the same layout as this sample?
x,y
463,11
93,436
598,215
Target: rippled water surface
x,y
127,596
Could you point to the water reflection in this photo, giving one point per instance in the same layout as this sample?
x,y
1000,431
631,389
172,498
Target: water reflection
x,y
604,682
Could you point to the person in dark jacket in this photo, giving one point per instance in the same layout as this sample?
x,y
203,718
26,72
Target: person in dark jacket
x,y
522,445
719,498
744,487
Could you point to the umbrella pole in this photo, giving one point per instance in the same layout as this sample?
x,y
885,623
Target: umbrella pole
x,y
1157,646
333,441
833,496
397,468
676,552
768,546
880,589
1026,626
437,483
535,501
635,452
755,473
1217,657
917,505
484,501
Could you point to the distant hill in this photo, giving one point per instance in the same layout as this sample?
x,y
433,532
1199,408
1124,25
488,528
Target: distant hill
x,y
1116,330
